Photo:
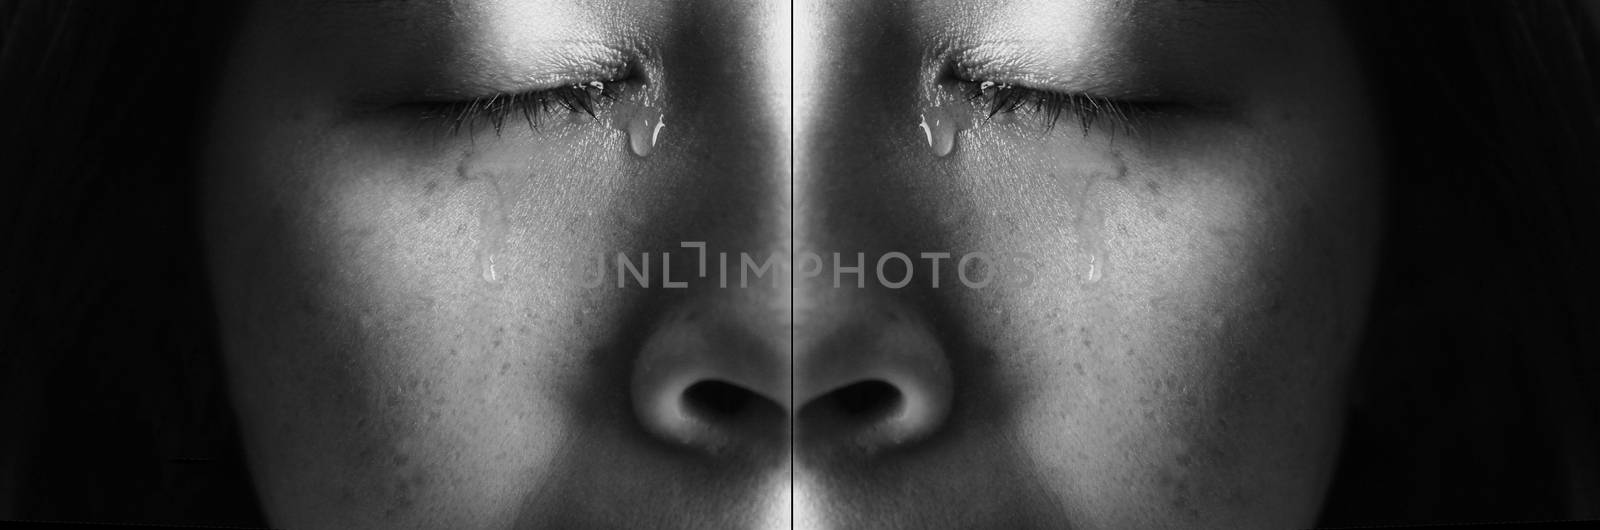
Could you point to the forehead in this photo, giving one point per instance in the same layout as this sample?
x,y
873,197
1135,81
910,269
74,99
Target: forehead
x,y
1075,26
1058,13
1072,25
1058,31
1061,12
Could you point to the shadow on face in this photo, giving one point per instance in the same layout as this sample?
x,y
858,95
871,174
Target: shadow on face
x,y
555,264
1168,211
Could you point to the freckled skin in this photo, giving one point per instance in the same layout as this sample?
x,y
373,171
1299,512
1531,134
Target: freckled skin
x,y
1198,381
381,380
1176,359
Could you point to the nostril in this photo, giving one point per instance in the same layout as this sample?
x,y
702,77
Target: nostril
x,y
718,398
865,401
702,379
727,408
875,384
873,413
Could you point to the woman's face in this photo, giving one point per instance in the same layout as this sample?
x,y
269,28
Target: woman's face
x,y
1128,298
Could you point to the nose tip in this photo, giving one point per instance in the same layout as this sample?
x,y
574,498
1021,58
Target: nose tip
x,y
865,377
872,382
704,379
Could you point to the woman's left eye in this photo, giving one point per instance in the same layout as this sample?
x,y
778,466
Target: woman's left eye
x,y
995,98
533,107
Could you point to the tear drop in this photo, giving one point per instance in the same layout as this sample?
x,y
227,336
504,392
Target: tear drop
x,y
939,126
643,125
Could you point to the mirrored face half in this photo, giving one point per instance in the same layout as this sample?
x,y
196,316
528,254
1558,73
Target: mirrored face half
x,y
417,215
1167,212
749,264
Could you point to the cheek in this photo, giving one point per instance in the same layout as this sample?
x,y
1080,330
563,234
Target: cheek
x,y
382,365
1185,338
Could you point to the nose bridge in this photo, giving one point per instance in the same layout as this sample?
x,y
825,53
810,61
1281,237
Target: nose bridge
x,y
854,60
712,370
739,95
847,213
853,72
718,195
849,362
871,373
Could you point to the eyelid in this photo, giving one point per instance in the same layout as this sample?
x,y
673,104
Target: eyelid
x,y
533,106
1108,77
484,73
593,86
995,98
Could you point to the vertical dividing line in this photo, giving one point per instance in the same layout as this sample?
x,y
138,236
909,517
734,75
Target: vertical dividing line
x,y
793,406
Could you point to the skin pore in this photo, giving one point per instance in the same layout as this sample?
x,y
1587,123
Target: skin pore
x,y
1199,269
382,381
410,343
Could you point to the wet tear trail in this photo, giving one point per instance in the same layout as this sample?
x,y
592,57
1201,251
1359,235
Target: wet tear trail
x,y
643,125
939,126
503,181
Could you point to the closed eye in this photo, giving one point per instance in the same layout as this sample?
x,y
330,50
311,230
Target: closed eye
x,y
532,107
994,98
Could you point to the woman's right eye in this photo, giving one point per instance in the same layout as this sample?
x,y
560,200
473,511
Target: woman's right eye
x,y
532,108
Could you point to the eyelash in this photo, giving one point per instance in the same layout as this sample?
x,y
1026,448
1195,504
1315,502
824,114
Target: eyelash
x,y
533,107
993,98
997,98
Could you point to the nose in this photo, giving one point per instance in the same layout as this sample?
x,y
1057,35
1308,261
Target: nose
x,y
870,375
713,378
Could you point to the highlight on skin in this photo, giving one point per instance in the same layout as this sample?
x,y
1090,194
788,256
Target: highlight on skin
x,y
1201,253
396,197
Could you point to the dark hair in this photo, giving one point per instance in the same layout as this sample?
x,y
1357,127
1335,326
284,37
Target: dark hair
x,y
113,395
1475,397
1473,389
